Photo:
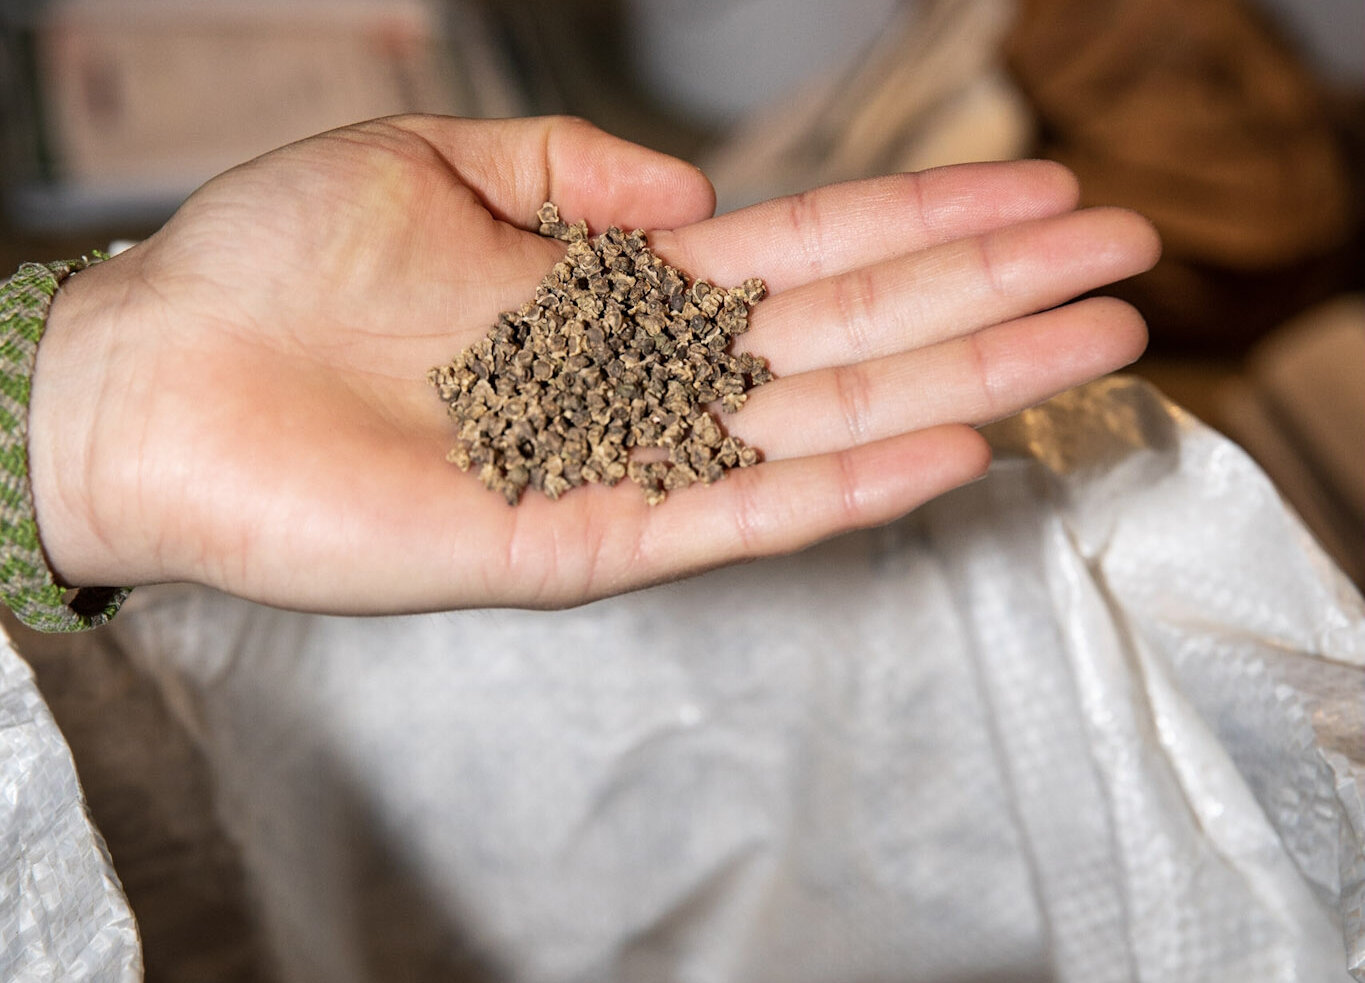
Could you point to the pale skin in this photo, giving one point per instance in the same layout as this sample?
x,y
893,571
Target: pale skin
x,y
240,400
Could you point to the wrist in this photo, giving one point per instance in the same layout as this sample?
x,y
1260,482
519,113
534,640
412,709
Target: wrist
x,y
72,471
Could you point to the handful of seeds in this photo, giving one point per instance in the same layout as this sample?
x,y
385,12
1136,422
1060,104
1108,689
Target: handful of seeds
x,y
616,352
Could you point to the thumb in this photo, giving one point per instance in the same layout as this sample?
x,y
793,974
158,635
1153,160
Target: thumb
x,y
516,164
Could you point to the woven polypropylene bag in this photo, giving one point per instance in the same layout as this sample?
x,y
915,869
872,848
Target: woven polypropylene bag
x,y
1097,717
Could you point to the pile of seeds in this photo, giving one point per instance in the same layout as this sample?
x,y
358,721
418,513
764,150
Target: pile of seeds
x,y
616,352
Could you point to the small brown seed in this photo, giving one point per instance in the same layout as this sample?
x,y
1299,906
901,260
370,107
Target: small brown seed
x,y
616,351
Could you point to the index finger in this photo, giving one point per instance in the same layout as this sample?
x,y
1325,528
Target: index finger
x,y
831,230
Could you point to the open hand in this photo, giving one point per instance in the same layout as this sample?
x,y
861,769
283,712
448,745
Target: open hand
x,y
241,400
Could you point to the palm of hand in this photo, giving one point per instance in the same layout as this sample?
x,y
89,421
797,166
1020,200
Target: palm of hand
x,y
288,448
311,292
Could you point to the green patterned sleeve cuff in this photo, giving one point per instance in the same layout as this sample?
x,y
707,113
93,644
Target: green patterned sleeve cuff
x,y
27,585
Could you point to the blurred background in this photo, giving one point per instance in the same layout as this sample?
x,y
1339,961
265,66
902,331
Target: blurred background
x,y
1237,126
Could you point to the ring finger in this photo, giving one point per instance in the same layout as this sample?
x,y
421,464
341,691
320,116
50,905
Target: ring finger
x,y
974,379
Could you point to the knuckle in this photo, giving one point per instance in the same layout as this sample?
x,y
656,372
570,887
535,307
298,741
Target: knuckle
x,y
851,396
983,372
989,266
855,306
747,514
804,215
597,552
848,485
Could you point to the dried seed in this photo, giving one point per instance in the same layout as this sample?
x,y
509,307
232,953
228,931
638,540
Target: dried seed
x,y
615,351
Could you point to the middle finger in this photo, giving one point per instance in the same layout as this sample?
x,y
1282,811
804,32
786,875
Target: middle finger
x,y
948,290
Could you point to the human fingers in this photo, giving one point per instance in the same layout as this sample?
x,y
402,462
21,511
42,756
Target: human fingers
x,y
949,290
783,505
453,545
972,379
773,508
516,165
830,230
